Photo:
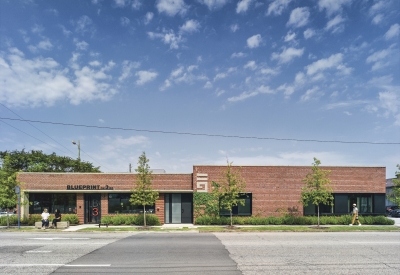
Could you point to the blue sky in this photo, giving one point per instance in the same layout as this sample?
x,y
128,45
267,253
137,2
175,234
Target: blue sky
x,y
281,71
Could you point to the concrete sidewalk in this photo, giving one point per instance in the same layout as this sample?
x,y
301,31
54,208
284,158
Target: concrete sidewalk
x,y
165,226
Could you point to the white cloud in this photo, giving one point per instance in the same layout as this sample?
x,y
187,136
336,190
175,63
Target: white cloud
x,y
136,4
393,31
81,45
239,54
183,74
125,21
208,85
308,33
171,7
219,92
332,6
220,76
43,81
269,71
278,6
45,45
331,62
168,37
214,4
335,24
121,3
290,36
127,67
288,90
254,41
243,6
148,17
245,95
234,27
251,65
377,19
390,102
287,55
145,76
299,17
190,26
379,59
84,24
311,93
118,143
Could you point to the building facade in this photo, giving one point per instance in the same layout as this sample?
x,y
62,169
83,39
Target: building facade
x,y
270,191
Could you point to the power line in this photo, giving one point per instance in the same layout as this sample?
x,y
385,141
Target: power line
x,y
38,130
202,134
52,145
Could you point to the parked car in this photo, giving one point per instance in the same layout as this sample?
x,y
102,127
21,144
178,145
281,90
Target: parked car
x,y
395,213
391,208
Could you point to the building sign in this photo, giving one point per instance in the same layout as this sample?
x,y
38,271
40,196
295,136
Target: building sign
x,y
89,187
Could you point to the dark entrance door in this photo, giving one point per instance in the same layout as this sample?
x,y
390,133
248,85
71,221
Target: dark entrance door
x,y
92,208
178,208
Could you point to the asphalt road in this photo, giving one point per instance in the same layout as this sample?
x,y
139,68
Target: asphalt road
x,y
199,253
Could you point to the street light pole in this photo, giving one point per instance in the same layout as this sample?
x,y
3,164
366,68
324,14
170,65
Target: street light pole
x,y
79,148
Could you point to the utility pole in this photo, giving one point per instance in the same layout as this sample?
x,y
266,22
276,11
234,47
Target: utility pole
x,y
130,168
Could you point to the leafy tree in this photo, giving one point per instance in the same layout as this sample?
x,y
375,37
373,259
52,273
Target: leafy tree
x,y
37,161
229,188
33,161
142,193
394,196
317,188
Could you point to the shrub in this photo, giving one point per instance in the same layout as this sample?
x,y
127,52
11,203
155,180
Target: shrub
x,y
106,219
71,218
151,220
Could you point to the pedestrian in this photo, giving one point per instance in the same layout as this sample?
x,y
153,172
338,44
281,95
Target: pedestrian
x,y
355,215
57,218
45,219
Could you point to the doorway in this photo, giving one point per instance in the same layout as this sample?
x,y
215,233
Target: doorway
x,y
178,208
92,208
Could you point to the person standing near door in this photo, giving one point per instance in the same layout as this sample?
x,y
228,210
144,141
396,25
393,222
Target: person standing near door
x,y
355,215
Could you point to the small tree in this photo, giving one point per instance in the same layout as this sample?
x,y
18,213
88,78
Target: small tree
x,y
142,193
228,190
317,188
394,196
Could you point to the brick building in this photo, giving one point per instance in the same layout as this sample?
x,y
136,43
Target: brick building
x,y
270,190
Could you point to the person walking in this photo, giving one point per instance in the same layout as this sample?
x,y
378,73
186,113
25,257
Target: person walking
x,y
45,219
355,215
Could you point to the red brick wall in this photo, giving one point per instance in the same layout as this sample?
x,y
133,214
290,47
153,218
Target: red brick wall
x,y
273,187
279,187
59,181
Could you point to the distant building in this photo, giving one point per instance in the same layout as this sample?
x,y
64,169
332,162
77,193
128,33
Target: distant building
x,y
270,191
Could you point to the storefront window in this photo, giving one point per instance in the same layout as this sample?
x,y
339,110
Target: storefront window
x,y
66,203
119,204
240,210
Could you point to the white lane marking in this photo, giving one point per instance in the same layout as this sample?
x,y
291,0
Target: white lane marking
x,y
50,239
59,244
88,265
84,265
374,242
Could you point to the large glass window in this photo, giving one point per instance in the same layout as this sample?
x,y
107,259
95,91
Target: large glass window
x,y
66,203
118,203
240,210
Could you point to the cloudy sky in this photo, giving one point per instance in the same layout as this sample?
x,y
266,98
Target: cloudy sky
x,y
260,82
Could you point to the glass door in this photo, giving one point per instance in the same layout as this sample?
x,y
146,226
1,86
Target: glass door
x,y
92,208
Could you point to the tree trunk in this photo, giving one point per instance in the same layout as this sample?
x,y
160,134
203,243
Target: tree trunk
x,y
231,219
318,214
144,215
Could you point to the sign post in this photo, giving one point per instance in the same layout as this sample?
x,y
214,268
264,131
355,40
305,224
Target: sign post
x,y
17,191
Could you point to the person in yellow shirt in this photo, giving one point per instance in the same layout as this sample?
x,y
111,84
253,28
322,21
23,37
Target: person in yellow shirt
x,y
355,215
